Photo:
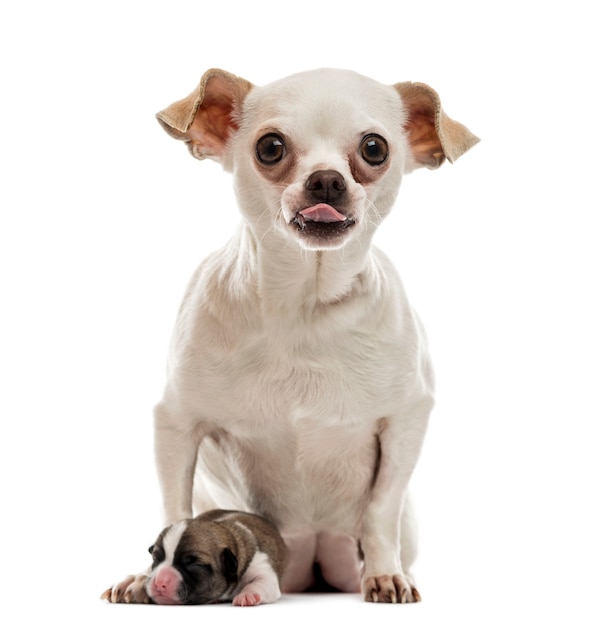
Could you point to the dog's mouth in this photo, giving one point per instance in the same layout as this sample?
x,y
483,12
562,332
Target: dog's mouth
x,y
321,221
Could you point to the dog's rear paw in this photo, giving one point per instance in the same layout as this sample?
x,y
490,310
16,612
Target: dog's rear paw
x,y
131,590
246,599
391,589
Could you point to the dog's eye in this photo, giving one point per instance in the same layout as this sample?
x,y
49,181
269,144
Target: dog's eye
x,y
270,149
190,561
157,554
374,149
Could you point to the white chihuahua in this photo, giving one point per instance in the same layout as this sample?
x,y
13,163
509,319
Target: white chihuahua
x,y
299,382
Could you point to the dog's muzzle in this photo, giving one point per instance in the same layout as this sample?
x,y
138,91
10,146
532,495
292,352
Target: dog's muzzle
x,y
320,222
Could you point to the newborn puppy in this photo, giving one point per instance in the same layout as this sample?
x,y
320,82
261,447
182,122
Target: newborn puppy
x,y
218,556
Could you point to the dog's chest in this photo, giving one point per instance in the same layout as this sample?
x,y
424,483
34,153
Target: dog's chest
x,y
294,405
334,380
303,424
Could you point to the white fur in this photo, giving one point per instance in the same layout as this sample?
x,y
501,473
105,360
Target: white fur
x,y
171,540
259,579
294,365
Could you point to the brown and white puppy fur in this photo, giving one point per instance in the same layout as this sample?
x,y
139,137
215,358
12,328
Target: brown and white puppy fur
x,y
299,383
218,556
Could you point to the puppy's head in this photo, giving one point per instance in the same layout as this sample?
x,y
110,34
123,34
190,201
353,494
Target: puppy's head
x,y
318,156
193,563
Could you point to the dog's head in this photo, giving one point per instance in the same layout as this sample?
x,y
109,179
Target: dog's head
x,y
194,562
317,156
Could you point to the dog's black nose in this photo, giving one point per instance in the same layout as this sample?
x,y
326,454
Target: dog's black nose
x,y
326,186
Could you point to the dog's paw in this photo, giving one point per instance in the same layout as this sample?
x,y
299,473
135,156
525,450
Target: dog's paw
x,y
246,599
131,590
391,589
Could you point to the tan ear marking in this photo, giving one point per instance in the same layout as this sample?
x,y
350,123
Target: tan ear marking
x,y
432,134
205,118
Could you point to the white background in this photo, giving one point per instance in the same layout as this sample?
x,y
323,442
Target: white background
x,y
104,218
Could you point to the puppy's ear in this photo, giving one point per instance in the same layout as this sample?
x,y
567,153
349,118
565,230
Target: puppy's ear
x,y
229,565
433,136
205,118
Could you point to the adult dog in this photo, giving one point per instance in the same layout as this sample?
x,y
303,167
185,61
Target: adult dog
x,y
299,383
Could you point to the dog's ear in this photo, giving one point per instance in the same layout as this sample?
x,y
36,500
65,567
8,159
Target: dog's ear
x,y
229,565
433,136
205,118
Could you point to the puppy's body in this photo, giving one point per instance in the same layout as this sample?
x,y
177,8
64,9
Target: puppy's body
x,y
218,556
299,381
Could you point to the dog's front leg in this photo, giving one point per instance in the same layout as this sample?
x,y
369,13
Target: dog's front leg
x,y
176,448
384,578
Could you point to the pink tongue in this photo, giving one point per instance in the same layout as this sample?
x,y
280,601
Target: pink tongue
x,y
322,213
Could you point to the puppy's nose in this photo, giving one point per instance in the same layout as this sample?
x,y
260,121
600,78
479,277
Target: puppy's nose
x,y
326,186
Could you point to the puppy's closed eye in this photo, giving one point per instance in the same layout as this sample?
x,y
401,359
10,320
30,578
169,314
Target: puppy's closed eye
x,y
158,554
190,561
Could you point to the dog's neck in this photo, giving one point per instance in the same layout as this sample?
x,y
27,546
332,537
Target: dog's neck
x,y
291,277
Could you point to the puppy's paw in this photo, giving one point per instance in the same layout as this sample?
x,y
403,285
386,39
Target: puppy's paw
x,y
131,590
391,589
246,599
